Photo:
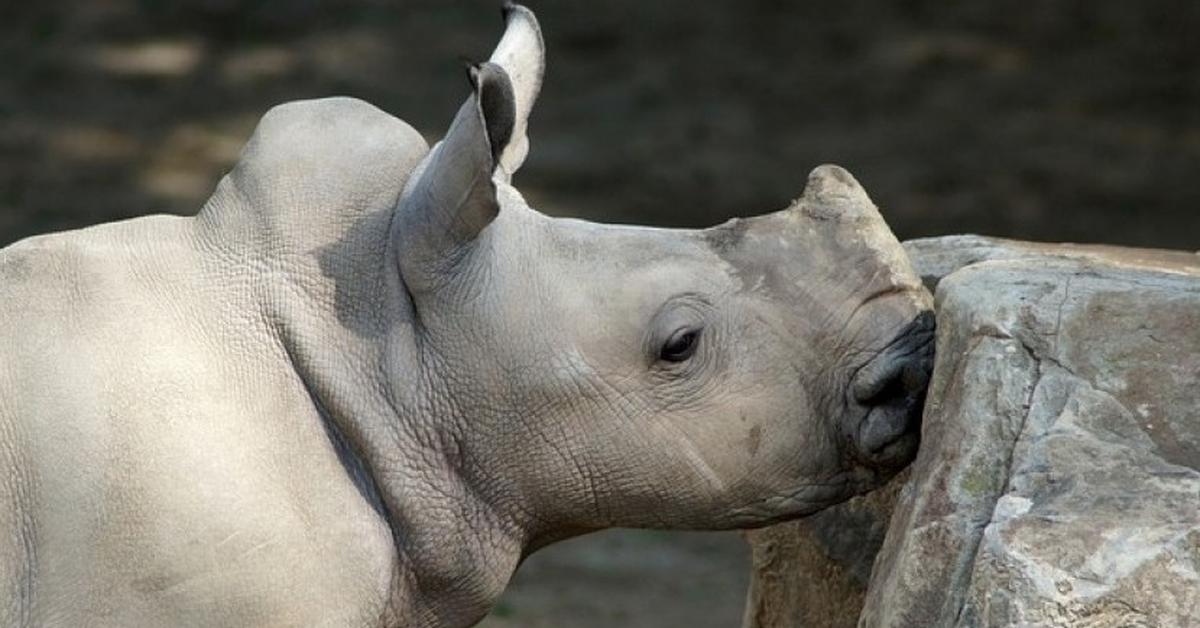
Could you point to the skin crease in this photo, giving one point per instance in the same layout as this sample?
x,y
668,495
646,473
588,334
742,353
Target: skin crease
x,y
365,381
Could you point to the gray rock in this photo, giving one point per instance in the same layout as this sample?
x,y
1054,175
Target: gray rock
x,y
1058,482
935,258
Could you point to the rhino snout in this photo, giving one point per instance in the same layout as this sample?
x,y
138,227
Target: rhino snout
x,y
890,390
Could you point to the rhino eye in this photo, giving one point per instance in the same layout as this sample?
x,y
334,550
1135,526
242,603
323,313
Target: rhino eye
x,y
680,346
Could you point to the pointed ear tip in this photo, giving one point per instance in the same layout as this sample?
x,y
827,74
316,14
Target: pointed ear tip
x,y
487,75
513,12
472,69
508,8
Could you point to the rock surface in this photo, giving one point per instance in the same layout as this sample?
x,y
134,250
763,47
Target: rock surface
x,y
1058,482
935,258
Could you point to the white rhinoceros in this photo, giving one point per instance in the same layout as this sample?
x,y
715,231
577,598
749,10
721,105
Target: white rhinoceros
x,y
367,379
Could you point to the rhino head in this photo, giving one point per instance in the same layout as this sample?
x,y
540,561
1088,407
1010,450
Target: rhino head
x,y
603,375
545,377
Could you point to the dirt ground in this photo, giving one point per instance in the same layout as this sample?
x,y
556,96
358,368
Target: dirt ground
x,y
631,579
1057,120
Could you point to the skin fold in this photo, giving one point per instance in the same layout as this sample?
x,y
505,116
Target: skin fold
x,y
366,379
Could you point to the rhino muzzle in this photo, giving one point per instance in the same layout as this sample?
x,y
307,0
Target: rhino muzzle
x,y
891,390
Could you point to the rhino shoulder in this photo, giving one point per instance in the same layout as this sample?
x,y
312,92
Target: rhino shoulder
x,y
317,164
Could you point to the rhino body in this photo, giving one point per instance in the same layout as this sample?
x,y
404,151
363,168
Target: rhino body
x,y
366,379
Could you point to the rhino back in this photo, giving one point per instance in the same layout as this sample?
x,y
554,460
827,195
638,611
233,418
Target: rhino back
x,y
159,453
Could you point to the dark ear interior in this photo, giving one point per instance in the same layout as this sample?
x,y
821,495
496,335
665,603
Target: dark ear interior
x,y
452,198
496,104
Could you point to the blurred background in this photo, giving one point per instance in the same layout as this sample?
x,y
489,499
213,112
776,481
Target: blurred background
x,y
1075,120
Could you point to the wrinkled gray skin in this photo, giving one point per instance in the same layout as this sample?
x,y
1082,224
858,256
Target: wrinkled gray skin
x,y
367,378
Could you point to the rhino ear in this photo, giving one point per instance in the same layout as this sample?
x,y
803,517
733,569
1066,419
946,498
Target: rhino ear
x,y
522,54
451,198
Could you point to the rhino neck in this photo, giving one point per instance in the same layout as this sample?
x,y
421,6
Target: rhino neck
x,y
299,234
344,321
454,550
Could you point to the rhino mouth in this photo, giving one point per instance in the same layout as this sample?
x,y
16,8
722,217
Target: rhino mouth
x,y
891,389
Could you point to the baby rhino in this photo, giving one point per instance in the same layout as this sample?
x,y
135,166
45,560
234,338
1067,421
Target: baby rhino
x,y
367,378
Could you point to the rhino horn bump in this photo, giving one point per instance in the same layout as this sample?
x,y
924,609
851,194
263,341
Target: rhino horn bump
x,y
832,192
522,54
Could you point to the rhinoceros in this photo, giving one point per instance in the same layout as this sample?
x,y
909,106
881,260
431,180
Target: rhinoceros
x,y
367,379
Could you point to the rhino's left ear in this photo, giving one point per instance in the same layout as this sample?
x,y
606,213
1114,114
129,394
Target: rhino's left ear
x,y
522,54
450,197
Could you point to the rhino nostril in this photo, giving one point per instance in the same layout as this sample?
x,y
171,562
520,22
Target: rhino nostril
x,y
885,391
916,374
890,394
902,380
